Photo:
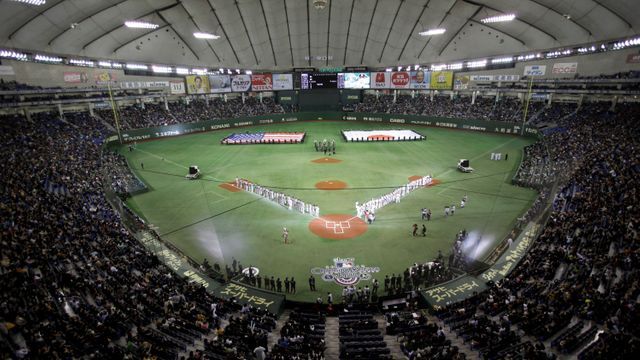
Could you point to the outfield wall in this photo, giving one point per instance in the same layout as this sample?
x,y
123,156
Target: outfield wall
x,y
419,120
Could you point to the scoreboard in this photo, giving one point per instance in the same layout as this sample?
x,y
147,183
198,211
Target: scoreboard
x,y
318,81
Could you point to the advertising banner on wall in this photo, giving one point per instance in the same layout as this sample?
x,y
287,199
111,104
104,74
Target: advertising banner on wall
x,y
506,77
442,80
6,70
420,79
177,87
535,70
359,80
282,81
144,84
240,83
380,80
461,82
633,58
197,84
220,83
104,77
76,77
400,80
565,68
262,82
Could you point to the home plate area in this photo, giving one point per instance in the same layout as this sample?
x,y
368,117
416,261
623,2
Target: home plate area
x,y
338,226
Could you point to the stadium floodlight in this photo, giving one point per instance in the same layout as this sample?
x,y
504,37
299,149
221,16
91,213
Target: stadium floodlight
x,y
388,69
135,24
438,67
116,65
229,71
199,71
248,72
104,63
81,62
399,68
456,66
13,55
46,58
416,67
502,60
206,36
431,32
237,71
477,64
498,18
182,71
32,2
137,67
161,69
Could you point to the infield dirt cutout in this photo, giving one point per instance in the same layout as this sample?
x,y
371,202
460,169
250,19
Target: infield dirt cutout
x,y
331,185
229,186
338,226
434,182
326,160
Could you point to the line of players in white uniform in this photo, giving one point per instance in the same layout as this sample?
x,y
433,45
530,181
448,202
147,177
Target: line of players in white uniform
x,y
284,200
369,208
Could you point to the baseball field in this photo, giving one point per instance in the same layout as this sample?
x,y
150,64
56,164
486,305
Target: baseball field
x,y
210,218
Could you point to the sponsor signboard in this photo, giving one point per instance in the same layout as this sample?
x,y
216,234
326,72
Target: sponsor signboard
x,y
282,81
240,83
633,58
144,84
220,83
177,87
461,82
565,68
535,70
104,77
400,80
197,84
262,82
380,80
506,77
354,80
6,70
75,77
442,80
420,79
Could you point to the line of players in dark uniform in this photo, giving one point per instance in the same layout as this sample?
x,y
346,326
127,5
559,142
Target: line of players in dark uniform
x,y
325,146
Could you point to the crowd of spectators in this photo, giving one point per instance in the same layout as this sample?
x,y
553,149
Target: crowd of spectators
x,y
77,283
135,116
509,109
302,337
584,265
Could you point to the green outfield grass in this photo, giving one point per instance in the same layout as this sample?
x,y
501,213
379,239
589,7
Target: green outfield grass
x,y
206,221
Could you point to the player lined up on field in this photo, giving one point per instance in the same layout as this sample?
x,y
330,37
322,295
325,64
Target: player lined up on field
x,y
284,200
373,205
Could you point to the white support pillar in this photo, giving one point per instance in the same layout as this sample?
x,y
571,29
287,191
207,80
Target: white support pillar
x,y
377,94
60,110
413,94
431,95
473,97
549,100
395,95
498,96
242,94
452,96
166,103
91,107
27,114
614,102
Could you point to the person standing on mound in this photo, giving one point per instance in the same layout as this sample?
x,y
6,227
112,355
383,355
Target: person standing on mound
x,y
285,235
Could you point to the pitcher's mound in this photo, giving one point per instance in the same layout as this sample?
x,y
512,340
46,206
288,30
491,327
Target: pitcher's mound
x,y
434,182
326,160
229,186
331,185
338,226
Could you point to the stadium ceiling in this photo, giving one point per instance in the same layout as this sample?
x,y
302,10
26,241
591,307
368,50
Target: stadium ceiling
x,y
281,34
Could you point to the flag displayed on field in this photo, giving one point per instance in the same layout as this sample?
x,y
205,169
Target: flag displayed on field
x,y
264,137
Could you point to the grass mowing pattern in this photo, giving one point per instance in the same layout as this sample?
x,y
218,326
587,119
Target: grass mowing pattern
x,y
207,221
